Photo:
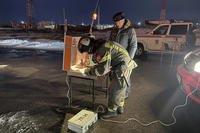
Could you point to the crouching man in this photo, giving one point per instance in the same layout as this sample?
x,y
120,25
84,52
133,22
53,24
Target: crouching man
x,y
109,57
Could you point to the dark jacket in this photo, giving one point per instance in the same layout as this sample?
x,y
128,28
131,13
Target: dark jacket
x,y
111,56
126,36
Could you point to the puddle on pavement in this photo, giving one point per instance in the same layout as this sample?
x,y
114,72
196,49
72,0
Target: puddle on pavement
x,y
22,71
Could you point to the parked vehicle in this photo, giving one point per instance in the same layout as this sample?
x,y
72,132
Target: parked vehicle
x,y
188,75
165,37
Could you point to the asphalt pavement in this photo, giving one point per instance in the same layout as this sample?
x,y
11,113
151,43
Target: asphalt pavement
x,y
33,96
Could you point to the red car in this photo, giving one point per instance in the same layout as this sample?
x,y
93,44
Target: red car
x,y
188,75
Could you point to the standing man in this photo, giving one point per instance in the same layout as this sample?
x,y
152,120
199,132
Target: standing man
x,y
191,37
109,57
125,35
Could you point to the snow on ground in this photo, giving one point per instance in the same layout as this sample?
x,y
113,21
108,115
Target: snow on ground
x,y
43,44
48,44
3,66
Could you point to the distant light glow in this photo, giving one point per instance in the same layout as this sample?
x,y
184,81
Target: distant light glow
x,y
94,16
139,23
22,22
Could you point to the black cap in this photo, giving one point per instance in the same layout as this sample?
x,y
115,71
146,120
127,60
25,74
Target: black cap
x,y
118,16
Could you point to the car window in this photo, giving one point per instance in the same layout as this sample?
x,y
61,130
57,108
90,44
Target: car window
x,y
190,26
162,30
178,30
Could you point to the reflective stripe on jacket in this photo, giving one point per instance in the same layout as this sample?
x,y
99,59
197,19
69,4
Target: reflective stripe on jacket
x,y
112,57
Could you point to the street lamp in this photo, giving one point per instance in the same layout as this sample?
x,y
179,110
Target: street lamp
x,y
94,17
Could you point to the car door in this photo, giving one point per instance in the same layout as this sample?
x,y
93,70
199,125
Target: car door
x,y
176,37
155,40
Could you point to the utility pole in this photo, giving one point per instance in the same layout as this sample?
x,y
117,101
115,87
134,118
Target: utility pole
x,y
65,22
29,13
163,10
98,16
94,17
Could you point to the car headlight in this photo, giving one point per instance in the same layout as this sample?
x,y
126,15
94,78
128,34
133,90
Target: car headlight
x,y
197,67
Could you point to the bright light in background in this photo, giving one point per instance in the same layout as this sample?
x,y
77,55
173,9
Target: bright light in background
x,y
82,23
22,22
3,66
94,16
139,23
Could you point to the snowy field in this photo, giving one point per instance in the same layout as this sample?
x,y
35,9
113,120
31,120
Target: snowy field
x,y
42,44
50,43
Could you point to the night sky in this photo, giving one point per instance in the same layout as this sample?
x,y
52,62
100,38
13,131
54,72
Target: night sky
x,y
78,10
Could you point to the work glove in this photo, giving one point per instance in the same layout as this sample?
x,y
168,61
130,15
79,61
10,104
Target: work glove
x,y
85,71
